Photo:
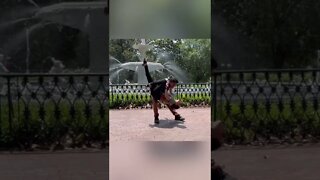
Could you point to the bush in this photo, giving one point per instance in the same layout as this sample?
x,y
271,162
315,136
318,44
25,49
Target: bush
x,y
142,100
248,124
47,124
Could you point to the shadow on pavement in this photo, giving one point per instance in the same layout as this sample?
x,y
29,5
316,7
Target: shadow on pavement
x,y
169,124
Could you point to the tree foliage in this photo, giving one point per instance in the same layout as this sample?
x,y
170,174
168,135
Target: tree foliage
x,y
48,40
191,55
285,32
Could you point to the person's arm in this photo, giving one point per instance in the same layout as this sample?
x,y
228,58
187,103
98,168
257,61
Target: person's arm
x,y
170,98
167,94
164,99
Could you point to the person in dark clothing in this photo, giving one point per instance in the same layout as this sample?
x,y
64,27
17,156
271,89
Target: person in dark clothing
x,y
161,90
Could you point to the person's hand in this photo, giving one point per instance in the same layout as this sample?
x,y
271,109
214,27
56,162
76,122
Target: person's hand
x,y
178,102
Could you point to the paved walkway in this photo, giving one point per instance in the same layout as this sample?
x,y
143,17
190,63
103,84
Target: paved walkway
x,y
54,166
271,163
160,160
138,125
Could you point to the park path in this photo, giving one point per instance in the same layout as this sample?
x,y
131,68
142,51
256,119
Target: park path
x,y
138,125
131,149
54,166
183,160
279,163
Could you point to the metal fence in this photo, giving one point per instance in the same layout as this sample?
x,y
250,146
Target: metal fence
x,y
53,109
267,104
139,95
73,108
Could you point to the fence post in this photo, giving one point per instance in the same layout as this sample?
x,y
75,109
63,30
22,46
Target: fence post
x,y
110,94
178,88
10,106
214,85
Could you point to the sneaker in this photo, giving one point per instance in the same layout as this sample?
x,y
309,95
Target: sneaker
x,y
156,120
178,118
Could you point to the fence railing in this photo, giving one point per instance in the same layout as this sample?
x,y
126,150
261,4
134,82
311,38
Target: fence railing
x,y
73,108
139,95
267,104
46,109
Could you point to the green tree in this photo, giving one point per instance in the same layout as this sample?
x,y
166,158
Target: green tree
x,y
195,59
191,55
285,32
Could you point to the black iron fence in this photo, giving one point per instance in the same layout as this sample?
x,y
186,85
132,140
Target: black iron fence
x,y
271,105
72,109
46,109
139,95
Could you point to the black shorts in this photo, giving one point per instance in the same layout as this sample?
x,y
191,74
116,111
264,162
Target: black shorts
x,y
156,93
157,90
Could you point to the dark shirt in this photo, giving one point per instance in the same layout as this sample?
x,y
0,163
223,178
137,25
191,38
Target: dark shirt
x,y
158,88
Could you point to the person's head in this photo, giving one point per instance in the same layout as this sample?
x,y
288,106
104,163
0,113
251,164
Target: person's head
x,y
172,82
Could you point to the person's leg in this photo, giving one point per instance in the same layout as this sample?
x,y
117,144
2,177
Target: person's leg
x,y
172,110
149,78
153,94
177,116
155,111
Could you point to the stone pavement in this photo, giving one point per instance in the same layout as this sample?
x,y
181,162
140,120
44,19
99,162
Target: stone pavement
x,y
166,160
54,166
280,163
138,125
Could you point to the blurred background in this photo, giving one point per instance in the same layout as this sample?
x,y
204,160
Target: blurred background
x,y
179,57
53,36
273,34
160,19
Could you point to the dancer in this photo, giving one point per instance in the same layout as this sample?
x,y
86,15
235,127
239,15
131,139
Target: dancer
x,y
162,91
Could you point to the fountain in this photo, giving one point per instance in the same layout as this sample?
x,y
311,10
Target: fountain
x,y
137,67
142,49
88,17
57,66
3,68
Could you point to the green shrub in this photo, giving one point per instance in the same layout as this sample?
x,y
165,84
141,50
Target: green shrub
x,y
141,100
248,124
51,123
